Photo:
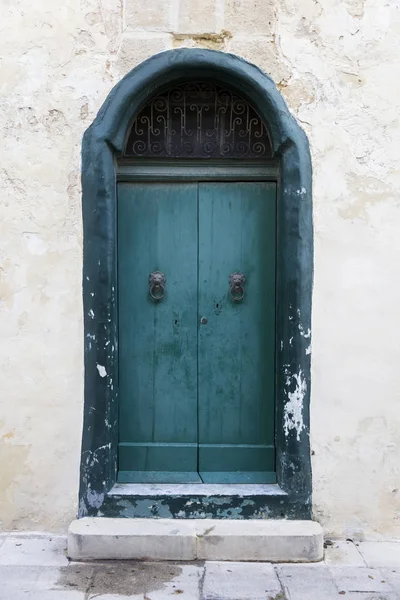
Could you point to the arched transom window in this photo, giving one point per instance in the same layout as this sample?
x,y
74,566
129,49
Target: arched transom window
x,y
198,120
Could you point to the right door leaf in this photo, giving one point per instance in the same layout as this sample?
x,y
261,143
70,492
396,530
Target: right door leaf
x,y
236,346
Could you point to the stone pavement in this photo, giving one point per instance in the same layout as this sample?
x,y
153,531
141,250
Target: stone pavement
x,y
35,567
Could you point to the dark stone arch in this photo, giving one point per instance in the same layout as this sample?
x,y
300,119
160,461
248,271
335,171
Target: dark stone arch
x,y
102,142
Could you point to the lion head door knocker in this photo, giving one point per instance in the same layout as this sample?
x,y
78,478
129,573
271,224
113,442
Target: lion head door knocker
x,y
237,281
157,282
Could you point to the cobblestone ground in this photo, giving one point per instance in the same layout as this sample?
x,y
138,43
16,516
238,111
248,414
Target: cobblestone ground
x,y
35,567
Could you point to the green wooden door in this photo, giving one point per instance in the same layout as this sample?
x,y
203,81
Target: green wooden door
x,y
237,344
196,368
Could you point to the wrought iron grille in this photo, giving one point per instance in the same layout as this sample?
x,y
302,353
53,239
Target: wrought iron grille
x,y
198,120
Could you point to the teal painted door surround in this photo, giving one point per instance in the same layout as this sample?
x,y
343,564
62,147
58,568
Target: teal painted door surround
x,y
197,367
102,148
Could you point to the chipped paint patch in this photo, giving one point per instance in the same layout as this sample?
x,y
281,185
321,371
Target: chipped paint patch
x,y
94,499
293,409
102,371
301,192
304,333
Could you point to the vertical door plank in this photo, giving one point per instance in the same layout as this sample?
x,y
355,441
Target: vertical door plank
x,y
237,345
157,230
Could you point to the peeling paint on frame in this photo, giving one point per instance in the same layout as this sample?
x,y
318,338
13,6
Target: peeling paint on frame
x,y
293,409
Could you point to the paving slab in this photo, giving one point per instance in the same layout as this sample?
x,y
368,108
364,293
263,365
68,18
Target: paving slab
x,y
342,552
41,551
303,582
5,594
185,586
240,581
14,577
54,595
360,579
35,568
153,580
314,565
369,596
381,554
25,580
393,577
115,597
14,594
76,577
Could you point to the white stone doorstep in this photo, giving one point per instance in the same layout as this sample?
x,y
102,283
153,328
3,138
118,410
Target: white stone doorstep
x,y
93,538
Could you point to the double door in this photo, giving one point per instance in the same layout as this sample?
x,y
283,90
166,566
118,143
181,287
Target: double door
x,y
196,298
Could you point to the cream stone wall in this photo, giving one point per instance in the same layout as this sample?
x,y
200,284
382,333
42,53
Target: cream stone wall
x,y
337,64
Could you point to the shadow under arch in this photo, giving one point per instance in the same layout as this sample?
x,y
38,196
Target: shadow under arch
x,y
102,143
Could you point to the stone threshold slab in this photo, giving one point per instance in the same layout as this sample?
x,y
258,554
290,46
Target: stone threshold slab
x,y
96,538
196,489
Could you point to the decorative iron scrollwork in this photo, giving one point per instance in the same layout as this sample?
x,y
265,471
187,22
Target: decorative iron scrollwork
x,y
198,120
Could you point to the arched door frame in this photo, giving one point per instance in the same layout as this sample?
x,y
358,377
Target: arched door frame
x,y
102,143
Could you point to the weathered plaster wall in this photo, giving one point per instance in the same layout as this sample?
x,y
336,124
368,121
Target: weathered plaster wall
x,y
336,63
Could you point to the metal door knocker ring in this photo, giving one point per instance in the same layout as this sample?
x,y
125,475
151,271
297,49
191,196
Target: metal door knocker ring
x,y
237,281
157,285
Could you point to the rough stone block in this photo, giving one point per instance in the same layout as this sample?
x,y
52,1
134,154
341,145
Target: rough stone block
x,y
250,540
240,581
262,51
249,16
197,17
161,539
154,14
136,48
